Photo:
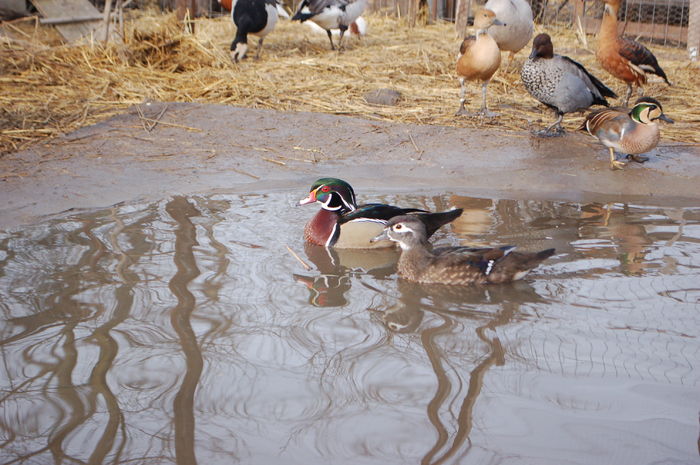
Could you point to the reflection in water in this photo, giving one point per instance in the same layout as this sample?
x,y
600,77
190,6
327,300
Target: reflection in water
x,y
184,332
336,266
182,212
451,304
629,237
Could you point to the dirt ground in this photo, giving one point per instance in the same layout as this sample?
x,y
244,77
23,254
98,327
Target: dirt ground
x,y
204,148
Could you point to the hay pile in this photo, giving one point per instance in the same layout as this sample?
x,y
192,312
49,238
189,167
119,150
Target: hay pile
x,y
49,89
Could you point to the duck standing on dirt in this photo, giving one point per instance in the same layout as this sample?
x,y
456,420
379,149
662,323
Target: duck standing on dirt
x,y
257,17
518,25
560,83
331,14
479,58
632,132
625,59
455,265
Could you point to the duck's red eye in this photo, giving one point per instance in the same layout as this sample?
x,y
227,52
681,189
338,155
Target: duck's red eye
x,y
398,227
325,188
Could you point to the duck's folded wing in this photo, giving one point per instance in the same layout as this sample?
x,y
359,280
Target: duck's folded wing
x,y
591,81
478,259
377,211
467,43
606,118
317,6
640,56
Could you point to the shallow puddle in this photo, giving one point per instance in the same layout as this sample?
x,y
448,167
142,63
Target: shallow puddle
x,y
186,332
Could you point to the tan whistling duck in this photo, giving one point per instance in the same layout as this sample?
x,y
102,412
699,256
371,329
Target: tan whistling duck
x,y
479,59
625,59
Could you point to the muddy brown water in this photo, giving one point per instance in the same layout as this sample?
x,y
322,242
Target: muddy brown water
x,y
183,331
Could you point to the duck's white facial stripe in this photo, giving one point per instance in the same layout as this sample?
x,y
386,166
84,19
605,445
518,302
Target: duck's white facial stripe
x,y
350,205
326,204
401,235
489,266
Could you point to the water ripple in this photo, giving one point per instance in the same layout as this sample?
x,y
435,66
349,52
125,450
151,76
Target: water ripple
x,y
183,331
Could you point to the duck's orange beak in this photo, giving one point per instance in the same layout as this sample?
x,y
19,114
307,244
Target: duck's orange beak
x,y
310,199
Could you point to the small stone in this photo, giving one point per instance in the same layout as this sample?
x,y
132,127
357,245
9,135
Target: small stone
x,y
389,97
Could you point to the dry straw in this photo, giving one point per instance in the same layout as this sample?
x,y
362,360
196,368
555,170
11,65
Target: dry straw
x,y
49,88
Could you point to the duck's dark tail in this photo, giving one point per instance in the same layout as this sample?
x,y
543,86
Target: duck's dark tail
x,y
433,221
299,16
515,265
302,16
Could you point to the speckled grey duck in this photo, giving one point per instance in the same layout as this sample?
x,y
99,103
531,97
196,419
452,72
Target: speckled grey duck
x,y
632,132
561,83
455,265
341,223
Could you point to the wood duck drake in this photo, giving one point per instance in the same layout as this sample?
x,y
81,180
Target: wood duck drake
x,y
257,17
341,223
632,131
331,14
560,83
518,25
455,265
626,59
479,58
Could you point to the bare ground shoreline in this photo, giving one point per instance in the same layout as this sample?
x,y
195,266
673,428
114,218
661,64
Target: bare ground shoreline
x,y
203,148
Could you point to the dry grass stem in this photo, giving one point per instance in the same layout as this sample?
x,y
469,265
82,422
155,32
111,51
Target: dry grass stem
x,y
306,266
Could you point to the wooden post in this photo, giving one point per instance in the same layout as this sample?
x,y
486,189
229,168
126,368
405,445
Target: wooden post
x,y
412,12
580,22
107,12
694,31
461,18
187,11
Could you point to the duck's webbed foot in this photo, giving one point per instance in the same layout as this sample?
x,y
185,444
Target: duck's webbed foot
x,y
615,164
555,130
552,131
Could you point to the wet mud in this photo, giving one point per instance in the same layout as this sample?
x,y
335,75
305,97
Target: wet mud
x,y
201,148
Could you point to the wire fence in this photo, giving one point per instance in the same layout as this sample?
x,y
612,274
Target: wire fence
x,y
663,22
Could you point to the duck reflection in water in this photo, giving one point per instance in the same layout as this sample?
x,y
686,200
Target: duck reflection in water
x,y
336,268
619,225
432,312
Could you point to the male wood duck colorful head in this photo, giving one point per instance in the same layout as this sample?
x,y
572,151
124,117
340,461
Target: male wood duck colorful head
x,y
342,223
631,132
455,265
